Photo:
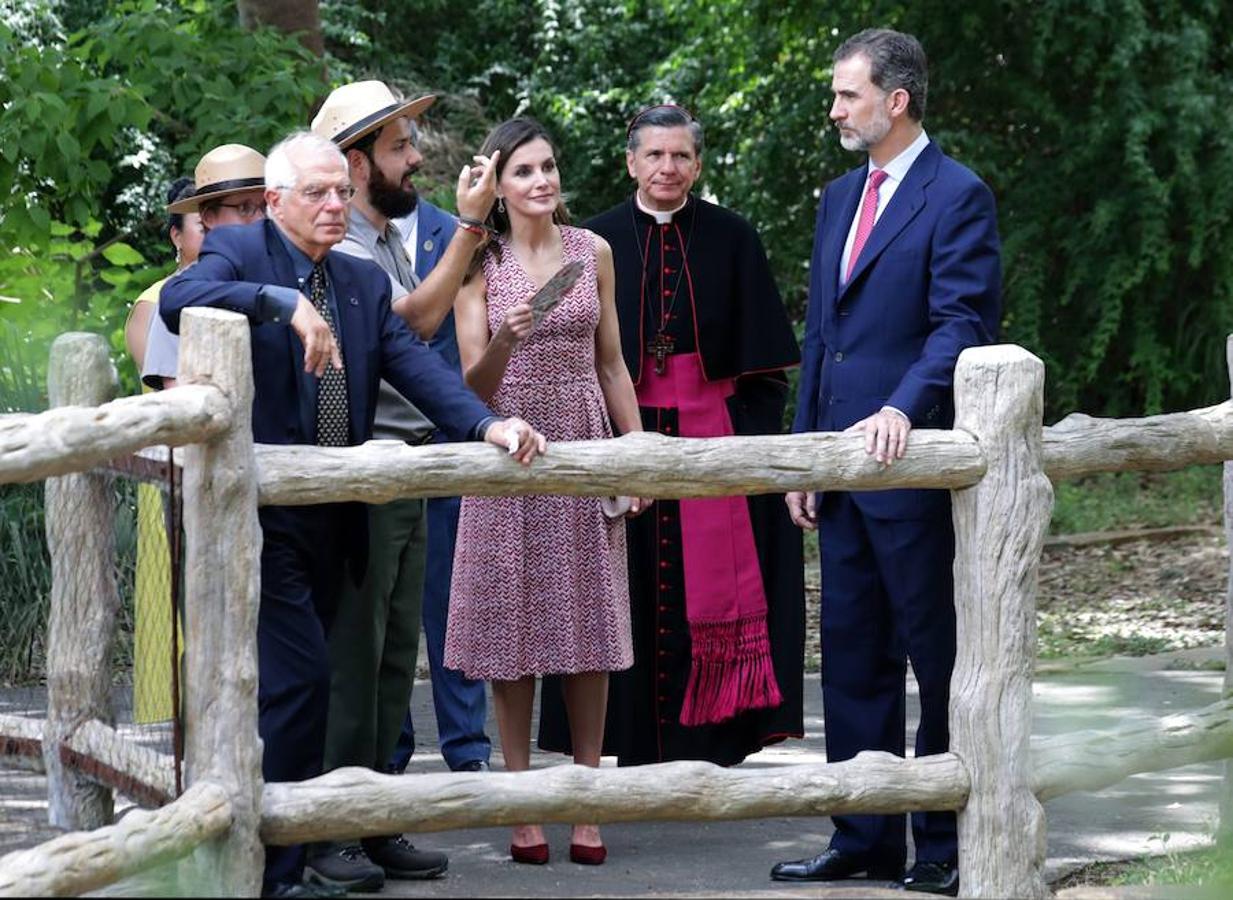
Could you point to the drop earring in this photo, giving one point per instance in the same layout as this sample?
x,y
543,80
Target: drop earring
x,y
501,204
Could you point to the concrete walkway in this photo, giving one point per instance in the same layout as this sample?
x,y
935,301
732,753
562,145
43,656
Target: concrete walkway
x,y
1141,815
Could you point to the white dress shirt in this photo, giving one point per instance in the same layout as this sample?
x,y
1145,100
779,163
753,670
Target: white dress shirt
x,y
896,170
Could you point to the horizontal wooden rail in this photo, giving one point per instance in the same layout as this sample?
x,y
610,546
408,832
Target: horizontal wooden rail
x,y
656,466
87,860
1091,760
648,465
97,751
21,742
76,438
352,802
356,802
1081,445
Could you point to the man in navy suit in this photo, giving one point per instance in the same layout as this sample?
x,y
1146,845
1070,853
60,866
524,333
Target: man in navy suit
x,y
323,336
905,274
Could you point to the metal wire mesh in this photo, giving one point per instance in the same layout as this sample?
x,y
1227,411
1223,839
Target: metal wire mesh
x,y
139,577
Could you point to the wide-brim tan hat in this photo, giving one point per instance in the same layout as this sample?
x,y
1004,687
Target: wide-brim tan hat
x,y
362,107
229,169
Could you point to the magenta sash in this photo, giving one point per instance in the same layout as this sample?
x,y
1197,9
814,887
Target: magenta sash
x,y
725,602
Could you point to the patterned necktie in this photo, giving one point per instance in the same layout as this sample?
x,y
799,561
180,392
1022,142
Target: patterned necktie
x,y
332,413
864,224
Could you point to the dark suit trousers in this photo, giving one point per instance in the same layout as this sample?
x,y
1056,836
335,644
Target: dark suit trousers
x,y
887,597
302,562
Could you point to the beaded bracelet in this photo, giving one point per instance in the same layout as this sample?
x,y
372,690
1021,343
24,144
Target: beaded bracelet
x,y
475,226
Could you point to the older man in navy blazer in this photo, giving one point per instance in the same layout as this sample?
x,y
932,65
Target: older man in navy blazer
x,y
323,336
905,275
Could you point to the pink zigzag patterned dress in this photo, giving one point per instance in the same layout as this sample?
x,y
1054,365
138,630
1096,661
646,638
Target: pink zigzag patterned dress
x,y
540,584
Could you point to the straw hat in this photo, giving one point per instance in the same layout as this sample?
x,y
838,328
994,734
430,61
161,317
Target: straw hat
x,y
229,169
360,108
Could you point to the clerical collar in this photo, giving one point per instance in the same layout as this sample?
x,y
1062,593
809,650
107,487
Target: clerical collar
x,y
661,218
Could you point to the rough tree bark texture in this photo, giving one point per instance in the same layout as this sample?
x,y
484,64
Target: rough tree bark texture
x,y
85,861
1000,526
80,516
60,441
1225,830
220,614
351,802
1092,760
642,464
301,18
1082,445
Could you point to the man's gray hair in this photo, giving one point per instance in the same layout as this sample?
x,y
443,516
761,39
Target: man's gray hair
x,y
281,169
896,61
667,116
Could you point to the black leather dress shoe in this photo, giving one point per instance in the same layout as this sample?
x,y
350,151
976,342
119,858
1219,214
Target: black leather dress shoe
x,y
932,878
831,865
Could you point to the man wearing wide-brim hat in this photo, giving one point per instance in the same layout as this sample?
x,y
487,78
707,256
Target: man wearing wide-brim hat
x,y
375,636
229,187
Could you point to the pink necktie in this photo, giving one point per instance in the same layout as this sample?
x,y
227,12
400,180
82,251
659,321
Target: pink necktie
x,y
864,225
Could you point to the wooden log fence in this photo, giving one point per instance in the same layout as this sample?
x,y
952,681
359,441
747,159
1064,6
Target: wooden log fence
x,y
82,617
1224,831
361,802
96,752
83,861
998,461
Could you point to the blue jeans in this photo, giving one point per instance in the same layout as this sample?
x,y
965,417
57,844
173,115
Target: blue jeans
x,y
459,701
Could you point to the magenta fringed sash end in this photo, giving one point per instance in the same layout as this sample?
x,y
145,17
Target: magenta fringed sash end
x,y
730,672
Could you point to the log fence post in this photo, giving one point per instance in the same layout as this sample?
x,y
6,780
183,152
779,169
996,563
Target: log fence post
x,y
84,602
223,544
1000,526
1224,832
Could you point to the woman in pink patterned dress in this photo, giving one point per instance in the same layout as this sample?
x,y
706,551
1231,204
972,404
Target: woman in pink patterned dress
x,y
539,584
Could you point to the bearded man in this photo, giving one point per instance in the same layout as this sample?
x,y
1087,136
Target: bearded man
x,y
905,275
375,637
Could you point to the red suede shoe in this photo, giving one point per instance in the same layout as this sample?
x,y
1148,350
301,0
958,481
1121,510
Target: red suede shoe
x,y
531,855
587,856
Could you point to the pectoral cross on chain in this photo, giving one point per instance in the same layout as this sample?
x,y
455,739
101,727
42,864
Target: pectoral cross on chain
x,y
661,346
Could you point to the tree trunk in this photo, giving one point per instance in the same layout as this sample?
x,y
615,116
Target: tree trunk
x,y
301,18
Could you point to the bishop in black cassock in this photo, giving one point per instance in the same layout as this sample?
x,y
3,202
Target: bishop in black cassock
x,y
694,286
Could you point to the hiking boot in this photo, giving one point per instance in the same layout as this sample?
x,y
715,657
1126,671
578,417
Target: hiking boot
x,y
343,865
400,860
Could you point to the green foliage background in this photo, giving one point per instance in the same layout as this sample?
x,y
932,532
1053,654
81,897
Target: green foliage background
x,y
1104,127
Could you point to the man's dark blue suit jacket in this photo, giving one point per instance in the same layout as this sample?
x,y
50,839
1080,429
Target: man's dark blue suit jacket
x,y
234,264
926,286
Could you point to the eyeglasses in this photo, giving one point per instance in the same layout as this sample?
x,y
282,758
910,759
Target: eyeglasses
x,y
247,209
636,121
318,193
